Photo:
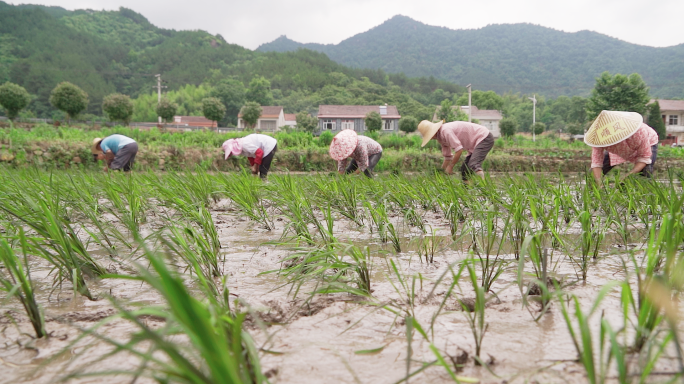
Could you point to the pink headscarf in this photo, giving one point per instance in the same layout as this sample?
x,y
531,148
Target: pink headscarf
x,y
232,147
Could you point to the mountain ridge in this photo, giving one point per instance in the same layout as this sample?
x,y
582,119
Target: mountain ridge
x,y
503,57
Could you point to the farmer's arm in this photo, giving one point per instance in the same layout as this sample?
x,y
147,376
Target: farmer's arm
x,y
450,167
109,158
258,157
342,166
597,164
638,166
643,157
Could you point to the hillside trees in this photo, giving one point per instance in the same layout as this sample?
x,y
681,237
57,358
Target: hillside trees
x,y
231,92
373,121
118,107
260,91
446,112
251,113
13,98
482,100
69,98
618,93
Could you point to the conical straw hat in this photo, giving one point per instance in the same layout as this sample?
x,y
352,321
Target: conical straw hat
x,y
612,127
343,144
93,148
428,129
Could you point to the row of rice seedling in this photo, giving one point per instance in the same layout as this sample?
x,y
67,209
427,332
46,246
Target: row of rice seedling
x,y
60,218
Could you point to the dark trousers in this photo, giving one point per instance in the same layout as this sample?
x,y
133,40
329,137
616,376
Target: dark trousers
x,y
473,162
124,158
646,172
372,162
266,163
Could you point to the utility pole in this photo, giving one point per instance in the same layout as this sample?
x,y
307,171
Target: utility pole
x,y
470,102
159,88
534,115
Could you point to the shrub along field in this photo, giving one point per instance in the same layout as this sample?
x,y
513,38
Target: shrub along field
x,y
191,277
69,147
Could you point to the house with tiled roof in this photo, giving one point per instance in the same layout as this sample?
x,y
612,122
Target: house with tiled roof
x,y
335,118
672,113
194,121
291,119
490,118
272,119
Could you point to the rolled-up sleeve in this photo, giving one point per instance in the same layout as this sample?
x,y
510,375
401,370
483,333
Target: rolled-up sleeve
x,y
644,153
597,157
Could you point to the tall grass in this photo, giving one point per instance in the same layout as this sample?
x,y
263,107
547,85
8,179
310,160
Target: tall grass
x,y
16,282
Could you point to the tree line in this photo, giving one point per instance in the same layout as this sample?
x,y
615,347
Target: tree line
x,y
223,101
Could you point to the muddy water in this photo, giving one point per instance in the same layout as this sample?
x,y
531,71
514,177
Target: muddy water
x,y
317,341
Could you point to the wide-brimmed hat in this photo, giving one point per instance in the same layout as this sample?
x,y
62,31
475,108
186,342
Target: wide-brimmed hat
x,y
94,149
612,127
343,144
231,147
428,129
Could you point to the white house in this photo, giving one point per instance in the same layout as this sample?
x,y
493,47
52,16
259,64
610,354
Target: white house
x,y
271,119
291,119
490,118
672,112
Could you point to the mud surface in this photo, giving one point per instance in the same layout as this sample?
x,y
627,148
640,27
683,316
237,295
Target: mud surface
x,y
334,338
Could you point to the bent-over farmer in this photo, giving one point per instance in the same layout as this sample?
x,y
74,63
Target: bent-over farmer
x,y
117,150
459,136
364,152
259,150
619,137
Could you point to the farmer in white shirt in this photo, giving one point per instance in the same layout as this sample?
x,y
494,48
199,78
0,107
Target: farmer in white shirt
x,y
259,150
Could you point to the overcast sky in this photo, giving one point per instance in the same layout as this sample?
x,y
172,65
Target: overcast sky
x,y
657,23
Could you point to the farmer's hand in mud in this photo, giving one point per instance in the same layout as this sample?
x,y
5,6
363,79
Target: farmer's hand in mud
x,y
449,169
255,169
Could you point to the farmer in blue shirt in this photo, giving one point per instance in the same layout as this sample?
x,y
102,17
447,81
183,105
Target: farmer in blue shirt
x,y
118,150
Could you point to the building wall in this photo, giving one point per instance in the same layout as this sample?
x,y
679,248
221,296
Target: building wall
x,y
359,125
674,130
493,126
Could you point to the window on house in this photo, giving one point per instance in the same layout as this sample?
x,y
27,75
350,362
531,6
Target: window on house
x,y
387,125
674,120
328,124
347,124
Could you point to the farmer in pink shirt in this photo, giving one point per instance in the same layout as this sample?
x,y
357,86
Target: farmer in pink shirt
x,y
619,137
459,136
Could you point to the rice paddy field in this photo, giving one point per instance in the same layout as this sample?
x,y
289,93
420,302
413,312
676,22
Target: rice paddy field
x,y
199,277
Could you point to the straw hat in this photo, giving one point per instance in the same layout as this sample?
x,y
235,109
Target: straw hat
x,y
428,129
343,144
612,127
94,149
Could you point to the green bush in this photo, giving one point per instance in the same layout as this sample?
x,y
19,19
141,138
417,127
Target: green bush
x,y
325,138
508,126
408,124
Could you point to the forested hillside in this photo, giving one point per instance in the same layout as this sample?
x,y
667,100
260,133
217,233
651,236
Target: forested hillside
x,y
516,57
120,51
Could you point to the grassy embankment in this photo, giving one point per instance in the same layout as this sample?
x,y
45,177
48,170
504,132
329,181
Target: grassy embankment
x,y
67,147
